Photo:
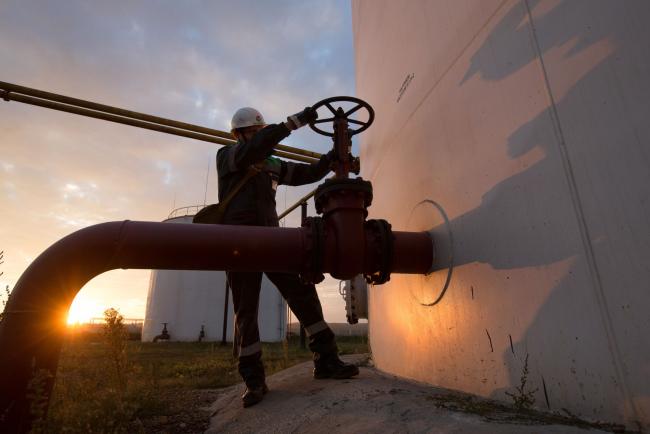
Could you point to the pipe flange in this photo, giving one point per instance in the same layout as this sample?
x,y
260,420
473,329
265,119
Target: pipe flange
x,y
315,249
382,235
333,185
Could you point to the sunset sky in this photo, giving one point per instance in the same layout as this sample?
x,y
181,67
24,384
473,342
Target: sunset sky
x,y
192,61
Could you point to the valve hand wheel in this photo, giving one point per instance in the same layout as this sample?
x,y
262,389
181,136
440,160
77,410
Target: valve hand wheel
x,y
339,113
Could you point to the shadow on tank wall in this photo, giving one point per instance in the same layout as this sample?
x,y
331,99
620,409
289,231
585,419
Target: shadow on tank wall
x,y
596,169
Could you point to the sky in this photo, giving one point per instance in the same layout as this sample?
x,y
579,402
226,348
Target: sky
x,y
193,61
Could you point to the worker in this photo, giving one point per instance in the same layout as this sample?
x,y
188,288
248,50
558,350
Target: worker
x,y
254,204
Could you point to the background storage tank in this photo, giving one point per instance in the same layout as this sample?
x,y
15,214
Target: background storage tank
x,y
519,131
188,300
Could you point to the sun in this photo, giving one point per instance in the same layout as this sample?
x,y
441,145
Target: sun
x,y
82,311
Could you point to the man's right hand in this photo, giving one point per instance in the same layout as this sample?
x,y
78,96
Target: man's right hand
x,y
301,119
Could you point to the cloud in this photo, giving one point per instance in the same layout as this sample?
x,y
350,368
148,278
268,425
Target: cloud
x,y
196,62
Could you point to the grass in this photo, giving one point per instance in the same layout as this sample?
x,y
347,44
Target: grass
x,y
152,387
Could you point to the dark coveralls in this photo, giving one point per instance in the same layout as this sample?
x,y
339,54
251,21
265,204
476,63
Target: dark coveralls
x,y
254,205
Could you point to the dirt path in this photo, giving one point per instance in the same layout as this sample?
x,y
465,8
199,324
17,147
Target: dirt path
x,y
188,411
373,402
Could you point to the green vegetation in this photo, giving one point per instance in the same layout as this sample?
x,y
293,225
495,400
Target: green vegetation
x,y
523,399
108,384
7,291
498,412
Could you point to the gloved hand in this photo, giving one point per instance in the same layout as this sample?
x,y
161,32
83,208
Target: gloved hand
x,y
329,160
331,156
301,119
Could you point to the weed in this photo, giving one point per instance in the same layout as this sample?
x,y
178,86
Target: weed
x,y
523,400
493,411
115,338
7,291
115,393
5,301
5,411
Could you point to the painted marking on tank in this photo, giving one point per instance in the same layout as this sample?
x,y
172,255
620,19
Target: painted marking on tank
x,y
490,339
405,85
548,404
472,289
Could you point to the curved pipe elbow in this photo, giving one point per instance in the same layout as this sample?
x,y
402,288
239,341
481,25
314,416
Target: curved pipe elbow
x,y
75,259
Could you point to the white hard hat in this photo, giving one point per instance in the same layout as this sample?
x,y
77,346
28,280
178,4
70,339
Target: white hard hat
x,y
246,117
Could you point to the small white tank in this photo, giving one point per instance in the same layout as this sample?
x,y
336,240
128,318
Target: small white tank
x,y
188,301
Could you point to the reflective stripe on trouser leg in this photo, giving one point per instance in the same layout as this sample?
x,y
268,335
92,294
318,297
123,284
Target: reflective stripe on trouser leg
x,y
249,350
316,327
303,301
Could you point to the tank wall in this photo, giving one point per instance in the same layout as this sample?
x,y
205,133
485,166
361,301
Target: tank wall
x,y
186,300
524,125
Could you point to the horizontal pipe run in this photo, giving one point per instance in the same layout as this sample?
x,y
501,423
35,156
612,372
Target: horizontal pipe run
x,y
294,157
298,151
114,118
10,87
210,247
413,253
14,92
140,124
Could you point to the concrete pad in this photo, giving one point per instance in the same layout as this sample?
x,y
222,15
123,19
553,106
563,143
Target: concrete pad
x,y
372,402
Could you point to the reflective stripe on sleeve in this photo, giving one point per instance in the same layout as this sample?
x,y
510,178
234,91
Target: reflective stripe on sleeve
x,y
316,327
249,350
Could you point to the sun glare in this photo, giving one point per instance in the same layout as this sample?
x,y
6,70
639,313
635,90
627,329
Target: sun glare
x,y
82,311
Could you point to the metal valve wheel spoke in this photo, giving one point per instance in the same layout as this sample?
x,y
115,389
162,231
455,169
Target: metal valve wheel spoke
x,y
352,110
353,121
328,105
320,121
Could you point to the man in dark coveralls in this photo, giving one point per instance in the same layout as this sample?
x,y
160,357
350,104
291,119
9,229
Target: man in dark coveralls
x,y
254,204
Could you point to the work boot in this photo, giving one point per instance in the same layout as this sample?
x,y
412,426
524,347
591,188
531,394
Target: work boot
x,y
330,366
254,394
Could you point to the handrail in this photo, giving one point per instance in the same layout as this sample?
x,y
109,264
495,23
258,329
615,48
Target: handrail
x,y
101,321
193,209
185,211
296,205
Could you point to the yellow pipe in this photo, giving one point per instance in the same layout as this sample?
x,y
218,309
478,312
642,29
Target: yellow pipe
x,y
9,91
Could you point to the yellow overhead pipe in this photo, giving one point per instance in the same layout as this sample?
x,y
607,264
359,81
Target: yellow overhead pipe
x,y
14,92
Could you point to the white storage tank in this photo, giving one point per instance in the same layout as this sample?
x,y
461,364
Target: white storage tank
x,y
188,301
522,129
